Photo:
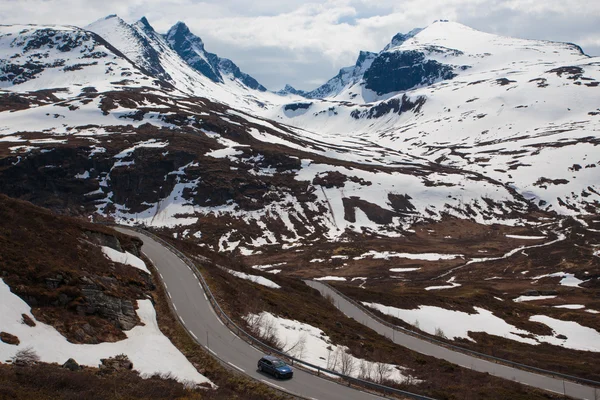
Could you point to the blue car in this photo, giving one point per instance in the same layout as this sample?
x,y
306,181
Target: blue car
x,y
275,367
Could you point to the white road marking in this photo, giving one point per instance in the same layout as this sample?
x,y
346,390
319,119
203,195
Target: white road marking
x,y
212,351
161,276
205,298
235,366
194,335
234,334
190,268
170,296
174,306
274,385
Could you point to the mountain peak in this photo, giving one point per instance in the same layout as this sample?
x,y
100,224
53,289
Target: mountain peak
x,y
289,89
400,38
145,24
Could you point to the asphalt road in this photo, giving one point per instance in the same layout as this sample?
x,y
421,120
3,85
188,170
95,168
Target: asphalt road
x,y
424,347
194,310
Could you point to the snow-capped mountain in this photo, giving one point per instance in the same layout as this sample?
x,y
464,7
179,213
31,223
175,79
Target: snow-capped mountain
x,y
179,58
346,78
65,58
289,89
513,130
349,77
524,112
191,48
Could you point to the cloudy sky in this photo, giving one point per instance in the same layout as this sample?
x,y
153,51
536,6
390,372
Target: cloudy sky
x,y
304,43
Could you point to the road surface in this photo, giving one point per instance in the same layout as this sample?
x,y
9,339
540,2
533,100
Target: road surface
x,y
194,310
425,347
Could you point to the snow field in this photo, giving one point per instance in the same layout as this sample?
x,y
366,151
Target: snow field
x,y
255,279
457,324
124,258
311,345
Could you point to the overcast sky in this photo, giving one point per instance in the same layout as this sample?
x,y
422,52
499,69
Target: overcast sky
x,y
304,43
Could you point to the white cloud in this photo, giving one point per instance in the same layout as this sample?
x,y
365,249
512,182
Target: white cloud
x,y
302,42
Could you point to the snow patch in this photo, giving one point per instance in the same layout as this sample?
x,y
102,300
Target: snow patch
x,y
148,349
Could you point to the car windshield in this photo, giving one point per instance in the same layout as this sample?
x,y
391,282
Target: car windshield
x,y
278,363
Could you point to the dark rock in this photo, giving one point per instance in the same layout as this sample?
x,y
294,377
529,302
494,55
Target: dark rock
x,y
404,70
26,319
562,337
9,339
191,48
120,312
115,364
397,106
297,106
72,365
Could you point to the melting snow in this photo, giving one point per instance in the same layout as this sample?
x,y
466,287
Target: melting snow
x,y
404,269
450,281
531,298
386,255
311,345
525,237
571,306
255,278
567,279
124,258
148,349
457,324
330,278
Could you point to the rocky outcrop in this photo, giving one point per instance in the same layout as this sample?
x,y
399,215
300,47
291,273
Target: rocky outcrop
x,y
71,365
114,364
404,70
9,339
120,311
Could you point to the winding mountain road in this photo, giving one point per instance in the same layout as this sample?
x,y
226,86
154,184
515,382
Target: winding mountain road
x,y
194,310
196,313
425,347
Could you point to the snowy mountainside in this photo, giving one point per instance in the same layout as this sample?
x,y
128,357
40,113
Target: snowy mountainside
x,y
131,43
521,111
228,178
214,78
203,162
66,58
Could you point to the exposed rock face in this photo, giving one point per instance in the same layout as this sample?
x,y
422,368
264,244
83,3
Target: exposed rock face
x,y
115,364
397,106
404,70
191,48
121,312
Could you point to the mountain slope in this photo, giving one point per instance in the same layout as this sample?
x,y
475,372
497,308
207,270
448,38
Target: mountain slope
x,y
207,76
521,111
64,58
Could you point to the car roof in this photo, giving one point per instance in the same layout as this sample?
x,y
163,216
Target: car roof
x,y
271,358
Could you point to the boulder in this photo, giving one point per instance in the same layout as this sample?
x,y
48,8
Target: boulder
x,y
72,365
9,339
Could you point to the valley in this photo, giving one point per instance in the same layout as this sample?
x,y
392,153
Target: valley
x,y
447,183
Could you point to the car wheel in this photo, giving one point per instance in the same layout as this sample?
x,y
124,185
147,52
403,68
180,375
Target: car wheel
x,y
260,368
277,375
